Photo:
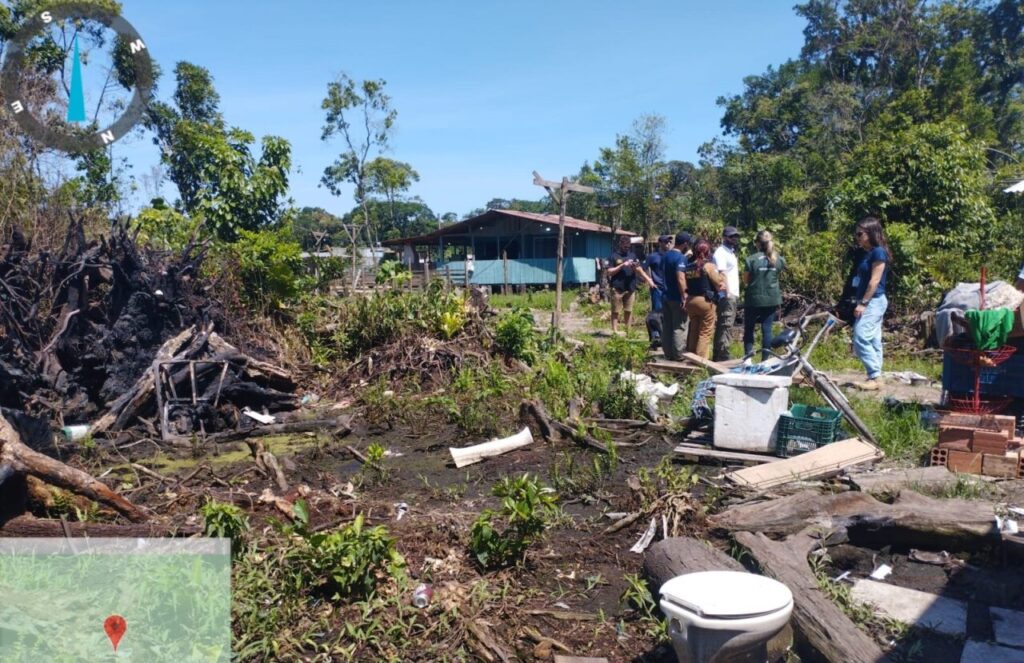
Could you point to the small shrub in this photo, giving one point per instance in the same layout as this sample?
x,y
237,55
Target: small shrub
x,y
526,508
515,337
394,272
621,401
227,521
345,562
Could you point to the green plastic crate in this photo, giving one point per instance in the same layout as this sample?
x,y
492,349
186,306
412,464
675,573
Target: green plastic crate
x,y
805,428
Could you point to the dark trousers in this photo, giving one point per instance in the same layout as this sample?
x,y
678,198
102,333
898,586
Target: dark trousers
x,y
673,330
723,328
753,316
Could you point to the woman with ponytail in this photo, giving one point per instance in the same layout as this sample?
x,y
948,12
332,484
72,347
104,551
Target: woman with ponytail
x,y
763,296
870,281
703,281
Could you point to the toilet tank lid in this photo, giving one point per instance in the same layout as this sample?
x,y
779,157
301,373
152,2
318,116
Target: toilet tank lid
x,y
753,380
727,594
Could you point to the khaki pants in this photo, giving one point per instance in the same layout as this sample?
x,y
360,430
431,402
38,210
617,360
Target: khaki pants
x,y
673,329
622,301
702,326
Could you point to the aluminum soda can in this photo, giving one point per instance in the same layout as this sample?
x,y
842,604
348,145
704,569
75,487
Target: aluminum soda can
x,y
422,595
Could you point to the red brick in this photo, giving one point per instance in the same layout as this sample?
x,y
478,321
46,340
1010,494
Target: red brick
x,y
964,461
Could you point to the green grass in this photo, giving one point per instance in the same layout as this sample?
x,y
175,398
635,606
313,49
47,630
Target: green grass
x,y
897,429
538,299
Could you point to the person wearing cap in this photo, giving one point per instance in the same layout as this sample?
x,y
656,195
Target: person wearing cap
x,y
729,267
674,320
623,270
654,267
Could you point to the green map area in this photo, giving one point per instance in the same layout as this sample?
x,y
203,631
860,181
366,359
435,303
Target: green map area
x,y
175,596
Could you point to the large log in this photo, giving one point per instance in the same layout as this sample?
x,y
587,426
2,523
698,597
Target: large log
x,y
680,555
911,520
30,526
819,623
21,459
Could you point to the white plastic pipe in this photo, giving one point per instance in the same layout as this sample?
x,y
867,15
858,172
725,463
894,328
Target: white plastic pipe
x,y
477,452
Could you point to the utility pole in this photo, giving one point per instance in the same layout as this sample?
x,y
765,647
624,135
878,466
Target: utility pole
x,y
560,197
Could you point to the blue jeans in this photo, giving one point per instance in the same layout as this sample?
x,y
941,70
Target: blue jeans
x,y
657,296
867,336
753,316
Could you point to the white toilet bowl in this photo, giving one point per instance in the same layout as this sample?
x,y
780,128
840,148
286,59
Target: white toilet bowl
x,y
724,616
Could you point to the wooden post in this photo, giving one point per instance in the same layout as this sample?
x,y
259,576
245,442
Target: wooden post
x,y
560,199
447,277
504,268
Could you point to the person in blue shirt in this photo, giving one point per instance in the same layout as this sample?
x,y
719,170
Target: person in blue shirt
x,y
655,269
673,316
869,282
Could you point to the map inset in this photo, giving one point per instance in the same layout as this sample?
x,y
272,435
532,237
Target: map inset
x,y
70,599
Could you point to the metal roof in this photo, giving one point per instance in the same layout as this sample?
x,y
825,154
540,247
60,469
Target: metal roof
x,y
492,215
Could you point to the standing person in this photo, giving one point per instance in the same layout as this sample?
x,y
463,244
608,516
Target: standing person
x,y
673,315
729,267
702,282
622,275
763,295
870,282
654,266
470,268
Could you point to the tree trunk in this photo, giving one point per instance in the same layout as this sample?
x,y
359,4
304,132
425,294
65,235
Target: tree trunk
x,y
18,457
30,526
556,315
680,555
912,520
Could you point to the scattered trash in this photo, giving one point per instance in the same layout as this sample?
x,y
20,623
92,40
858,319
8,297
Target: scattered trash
x,y
562,605
648,536
841,577
907,377
401,508
422,595
650,390
616,515
1006,525
1016,510
388,453
388,393
73,433
262,418
934,558
476,453
882,572
309,399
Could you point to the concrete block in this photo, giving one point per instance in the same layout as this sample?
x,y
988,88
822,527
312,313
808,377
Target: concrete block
x,y
910,606
1009,627
986,652
964,461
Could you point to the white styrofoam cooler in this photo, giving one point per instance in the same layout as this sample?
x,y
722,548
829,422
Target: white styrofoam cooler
x,y
747,409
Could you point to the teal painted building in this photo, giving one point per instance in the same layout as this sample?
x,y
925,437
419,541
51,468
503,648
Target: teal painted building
x,y
528,241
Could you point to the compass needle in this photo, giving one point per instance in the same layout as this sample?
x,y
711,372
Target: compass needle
x,y
76,102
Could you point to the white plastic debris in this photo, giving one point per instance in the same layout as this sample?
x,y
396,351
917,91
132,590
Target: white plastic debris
x,y
1007,525
648,536
882,572
262,418
650,390
401,509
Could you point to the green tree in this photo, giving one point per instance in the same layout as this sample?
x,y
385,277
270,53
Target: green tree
x,y
219,177
390,179
362,116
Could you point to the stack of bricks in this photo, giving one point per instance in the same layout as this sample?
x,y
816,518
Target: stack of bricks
x,y
979,444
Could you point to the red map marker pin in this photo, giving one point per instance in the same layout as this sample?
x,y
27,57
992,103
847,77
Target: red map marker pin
x,y
115,626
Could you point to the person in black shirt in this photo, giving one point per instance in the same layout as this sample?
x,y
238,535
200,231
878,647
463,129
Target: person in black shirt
x,y
623,270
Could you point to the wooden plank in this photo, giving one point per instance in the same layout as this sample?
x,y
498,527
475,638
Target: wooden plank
x,y
894,481
579,659
700,451
712,366
820,624
823,461
670,366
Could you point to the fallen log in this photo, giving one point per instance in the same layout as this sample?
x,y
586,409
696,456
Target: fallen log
x,y
552,429
912,520
819,623
30,526
21,459
680,555
340,426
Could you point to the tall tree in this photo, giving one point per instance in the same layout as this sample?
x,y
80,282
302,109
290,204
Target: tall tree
x,y
360,113
390,179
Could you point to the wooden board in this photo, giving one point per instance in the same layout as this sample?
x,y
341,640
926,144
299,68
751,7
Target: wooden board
x,y
894,481
712,366
669,366
701,452
823,461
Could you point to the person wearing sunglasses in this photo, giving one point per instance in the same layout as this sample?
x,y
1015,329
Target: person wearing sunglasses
x,y
869,282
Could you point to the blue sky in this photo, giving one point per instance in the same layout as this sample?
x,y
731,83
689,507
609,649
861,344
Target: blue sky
x,y
486,91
